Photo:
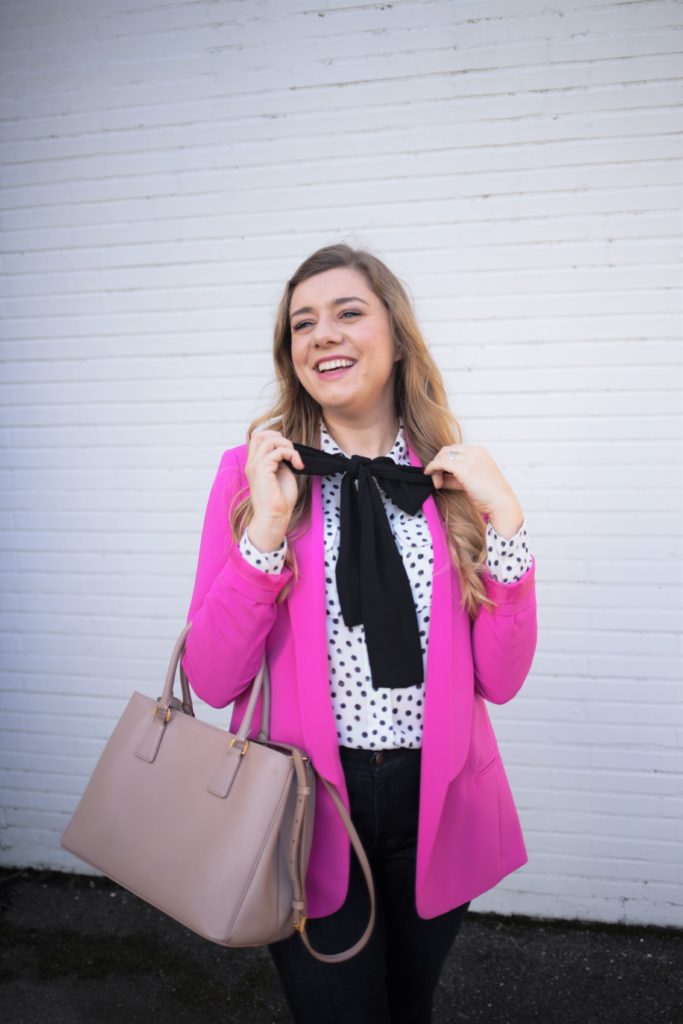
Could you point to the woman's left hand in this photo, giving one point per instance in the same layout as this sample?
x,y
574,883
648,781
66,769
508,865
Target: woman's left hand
x,y
473,470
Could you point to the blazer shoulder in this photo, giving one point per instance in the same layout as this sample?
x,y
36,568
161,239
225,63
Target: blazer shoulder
x,y
230,476
236,456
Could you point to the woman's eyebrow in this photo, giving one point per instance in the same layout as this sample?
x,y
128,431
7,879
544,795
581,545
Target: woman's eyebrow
x,y
335,302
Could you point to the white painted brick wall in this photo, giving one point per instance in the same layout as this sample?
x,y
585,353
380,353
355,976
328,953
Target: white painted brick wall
x,y
165,168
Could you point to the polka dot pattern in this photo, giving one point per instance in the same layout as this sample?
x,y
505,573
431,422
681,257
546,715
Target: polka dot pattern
x,y
368,718
507,559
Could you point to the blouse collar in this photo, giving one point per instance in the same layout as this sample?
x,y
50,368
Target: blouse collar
x,y
398,451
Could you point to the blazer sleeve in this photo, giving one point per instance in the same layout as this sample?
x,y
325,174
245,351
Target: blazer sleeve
x,y
232,608
504,640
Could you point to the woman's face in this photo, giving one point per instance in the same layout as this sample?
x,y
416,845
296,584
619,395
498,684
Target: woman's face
x,y
336,314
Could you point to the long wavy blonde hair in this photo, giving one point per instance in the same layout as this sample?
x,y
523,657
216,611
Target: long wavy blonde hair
x,y
420,399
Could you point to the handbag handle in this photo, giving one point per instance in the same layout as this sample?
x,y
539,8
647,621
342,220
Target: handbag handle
x,y
261,683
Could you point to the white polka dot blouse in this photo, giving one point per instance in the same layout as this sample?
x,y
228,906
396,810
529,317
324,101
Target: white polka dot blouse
x,y
368,718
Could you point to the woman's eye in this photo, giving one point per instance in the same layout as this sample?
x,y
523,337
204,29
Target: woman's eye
x,y
304,323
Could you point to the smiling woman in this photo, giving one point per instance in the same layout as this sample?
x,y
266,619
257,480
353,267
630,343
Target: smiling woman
x,y
343,319
347,541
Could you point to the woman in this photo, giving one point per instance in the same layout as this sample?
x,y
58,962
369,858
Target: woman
x,y
385,630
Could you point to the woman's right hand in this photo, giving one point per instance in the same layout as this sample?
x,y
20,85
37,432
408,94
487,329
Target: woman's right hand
x,y
273,486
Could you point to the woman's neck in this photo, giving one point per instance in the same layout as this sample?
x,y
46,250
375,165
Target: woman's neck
x,y
370,439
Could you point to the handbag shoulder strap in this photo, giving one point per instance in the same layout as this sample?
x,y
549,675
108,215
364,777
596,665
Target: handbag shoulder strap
x,y
296,860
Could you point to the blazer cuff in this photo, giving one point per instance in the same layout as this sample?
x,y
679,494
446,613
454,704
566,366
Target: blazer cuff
x,y
252,582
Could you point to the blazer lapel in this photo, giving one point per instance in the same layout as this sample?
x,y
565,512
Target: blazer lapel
x,y
307,602
448,700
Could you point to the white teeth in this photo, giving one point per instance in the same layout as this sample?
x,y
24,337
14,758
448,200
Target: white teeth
x,y
334,364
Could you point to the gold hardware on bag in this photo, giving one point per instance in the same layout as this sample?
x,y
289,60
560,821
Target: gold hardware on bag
x,y
301,924
244,749
168,712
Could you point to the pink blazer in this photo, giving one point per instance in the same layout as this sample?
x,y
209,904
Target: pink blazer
x,y
469,834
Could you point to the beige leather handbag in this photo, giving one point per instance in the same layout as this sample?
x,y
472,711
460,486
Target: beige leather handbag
x,y
210,827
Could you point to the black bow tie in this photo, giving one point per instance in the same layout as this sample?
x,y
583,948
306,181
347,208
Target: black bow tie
x,y
372,583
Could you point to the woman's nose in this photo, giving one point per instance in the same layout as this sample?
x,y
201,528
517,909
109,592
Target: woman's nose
x,y
327,329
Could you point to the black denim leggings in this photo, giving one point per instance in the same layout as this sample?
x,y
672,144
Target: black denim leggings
x,y
393,979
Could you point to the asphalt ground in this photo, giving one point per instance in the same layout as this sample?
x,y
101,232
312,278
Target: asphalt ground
x,y
83,950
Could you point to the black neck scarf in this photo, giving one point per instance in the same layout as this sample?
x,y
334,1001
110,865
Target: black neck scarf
x,y
372,583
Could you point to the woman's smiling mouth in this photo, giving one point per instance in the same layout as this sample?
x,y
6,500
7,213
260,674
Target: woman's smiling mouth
x,y
338,367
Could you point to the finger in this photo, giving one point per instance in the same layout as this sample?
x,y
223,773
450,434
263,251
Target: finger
x,y
286,451
278,451
297,459
279,445
261,436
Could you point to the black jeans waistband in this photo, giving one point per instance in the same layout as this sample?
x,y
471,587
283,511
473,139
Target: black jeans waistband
x,y
360,755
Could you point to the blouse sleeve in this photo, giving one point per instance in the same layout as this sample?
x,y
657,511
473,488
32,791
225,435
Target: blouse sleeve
x,y
507,558
267,561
